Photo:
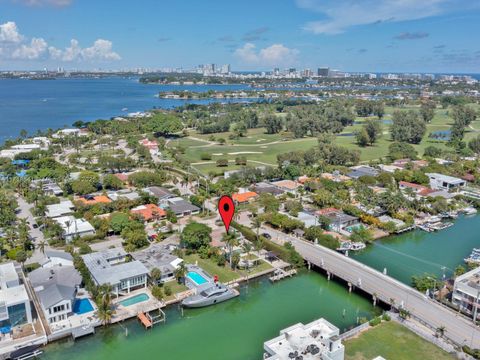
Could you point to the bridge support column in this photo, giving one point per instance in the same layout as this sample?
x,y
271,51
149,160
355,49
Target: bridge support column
x,y
309,265
328,275
349,287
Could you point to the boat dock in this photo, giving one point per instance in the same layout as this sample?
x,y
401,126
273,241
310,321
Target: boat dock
x,y
148,320
281,274
434,226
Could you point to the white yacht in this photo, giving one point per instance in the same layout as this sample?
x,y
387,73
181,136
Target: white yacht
x,y
214,294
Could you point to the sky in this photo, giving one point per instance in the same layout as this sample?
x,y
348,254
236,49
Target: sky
x,y
350,35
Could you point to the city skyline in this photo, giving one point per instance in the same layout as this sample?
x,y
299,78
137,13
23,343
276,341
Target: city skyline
x,y
361,36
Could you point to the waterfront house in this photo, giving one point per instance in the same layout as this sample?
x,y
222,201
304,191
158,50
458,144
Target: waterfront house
x,y
160,257
307,218
57,257
182,207
316,340
63,208
113,267
56,288
149,212
445,182
14,301
466,290
339,221
73,228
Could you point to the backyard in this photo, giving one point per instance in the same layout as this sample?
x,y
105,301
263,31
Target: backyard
x,y
393,342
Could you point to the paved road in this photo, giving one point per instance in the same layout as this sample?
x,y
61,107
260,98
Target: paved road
x,y
458,328
36,234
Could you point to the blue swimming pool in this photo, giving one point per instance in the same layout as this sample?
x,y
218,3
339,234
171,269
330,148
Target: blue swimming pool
x,y
82,306
134,299
197,278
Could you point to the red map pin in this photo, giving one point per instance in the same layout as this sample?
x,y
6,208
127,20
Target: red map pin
x,y
226,208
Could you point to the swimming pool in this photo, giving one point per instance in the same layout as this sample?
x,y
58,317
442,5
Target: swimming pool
x,y
82,306
197,278
134,299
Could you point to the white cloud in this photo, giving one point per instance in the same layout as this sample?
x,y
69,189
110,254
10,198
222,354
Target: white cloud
x,y
35,50
101,50
340,15
276,54
59,3
9,33
14,46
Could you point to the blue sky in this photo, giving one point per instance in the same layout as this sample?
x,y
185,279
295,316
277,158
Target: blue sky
x,y
350,35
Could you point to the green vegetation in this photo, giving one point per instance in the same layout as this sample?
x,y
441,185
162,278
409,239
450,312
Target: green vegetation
x,y
392,341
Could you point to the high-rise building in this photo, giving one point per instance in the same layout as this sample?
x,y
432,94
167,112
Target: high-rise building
x,y
324,72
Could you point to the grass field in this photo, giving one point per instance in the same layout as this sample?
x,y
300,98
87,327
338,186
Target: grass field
x,y
393,342
262,149
224,273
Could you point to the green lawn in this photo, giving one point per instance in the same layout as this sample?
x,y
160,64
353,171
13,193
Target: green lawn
x,y
393,342
175,287
224,273
262,149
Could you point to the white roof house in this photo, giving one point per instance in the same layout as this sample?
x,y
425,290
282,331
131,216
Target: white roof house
x,y
61,209
466,290
56,288
13,295
445,182
316,340
73,227
111,267
123,194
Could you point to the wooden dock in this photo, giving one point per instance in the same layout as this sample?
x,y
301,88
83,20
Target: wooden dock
x,y
148,320
145,320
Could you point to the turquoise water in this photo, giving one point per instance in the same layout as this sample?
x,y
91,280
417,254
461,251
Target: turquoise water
x,y
197,278
233,330
134,299
82,306
419,252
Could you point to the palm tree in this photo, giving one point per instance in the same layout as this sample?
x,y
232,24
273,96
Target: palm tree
x,y
41,246
441,330
155,275
257,224
104,303
230,240
180,272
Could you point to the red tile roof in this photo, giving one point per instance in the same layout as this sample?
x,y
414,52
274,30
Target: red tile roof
x,y
244,197
149,212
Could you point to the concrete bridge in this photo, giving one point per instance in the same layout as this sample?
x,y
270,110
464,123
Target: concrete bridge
x,y
387,289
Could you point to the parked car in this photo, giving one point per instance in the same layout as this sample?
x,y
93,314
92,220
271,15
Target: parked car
x,y
266,235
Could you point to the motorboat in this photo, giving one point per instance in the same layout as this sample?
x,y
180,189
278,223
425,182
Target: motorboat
x,y
212,295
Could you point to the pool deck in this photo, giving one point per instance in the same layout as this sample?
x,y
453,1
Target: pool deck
x,y
123,313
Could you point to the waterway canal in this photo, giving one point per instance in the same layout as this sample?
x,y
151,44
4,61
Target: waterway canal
x,y
419,252
233,330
